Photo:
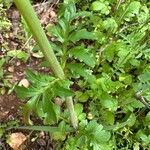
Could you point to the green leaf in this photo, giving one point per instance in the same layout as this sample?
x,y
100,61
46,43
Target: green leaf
x,y
18,54
124,55
61,134
147,53
83,14
110,25
100,6
61,88
78,108
58,136
78,69
136,146
40,82
44,64
1,132
136,104
23,92
109,117
2,61
38,79
28,108
109,52
131,120
64,25
102,136
92,126
70,11
57,48
62,92
132,10
142,136
127,79
144,14
39,109
107,84
56,31
81,97
108,102
48,108
147,119
97,5
102,146
79,111
81,35
98,132
84,55
145,77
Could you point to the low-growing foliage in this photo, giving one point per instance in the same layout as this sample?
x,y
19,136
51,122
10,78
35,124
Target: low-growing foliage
x,y
104,50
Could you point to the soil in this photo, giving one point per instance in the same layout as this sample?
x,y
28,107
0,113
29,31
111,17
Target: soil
x,y
9,107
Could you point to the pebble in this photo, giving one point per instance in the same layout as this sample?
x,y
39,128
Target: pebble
x,y
24,82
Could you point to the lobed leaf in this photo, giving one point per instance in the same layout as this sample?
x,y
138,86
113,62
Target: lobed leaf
x,y
84,55
81,35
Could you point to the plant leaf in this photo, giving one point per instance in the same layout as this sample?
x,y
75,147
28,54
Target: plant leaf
x,y
18,54
82,34
28,108
100,6
48,108
78,69
23,92
62,90
83,55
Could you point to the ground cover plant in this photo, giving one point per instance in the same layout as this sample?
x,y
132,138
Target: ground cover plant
x,y
102,66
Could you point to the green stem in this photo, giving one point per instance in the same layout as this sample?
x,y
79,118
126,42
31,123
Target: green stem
x,y
72,113
33,22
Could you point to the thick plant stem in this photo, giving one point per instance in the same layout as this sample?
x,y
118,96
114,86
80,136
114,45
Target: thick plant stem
x,y
72,113
32,21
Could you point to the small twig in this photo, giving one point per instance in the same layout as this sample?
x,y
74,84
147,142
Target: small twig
x,y
42,4
46,4
142,99
27,42
54,4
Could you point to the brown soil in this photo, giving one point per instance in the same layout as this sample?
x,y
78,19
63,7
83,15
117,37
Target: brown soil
x,y
9,107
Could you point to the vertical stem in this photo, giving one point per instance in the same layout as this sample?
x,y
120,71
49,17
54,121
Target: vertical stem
x,y
72,113
33,22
